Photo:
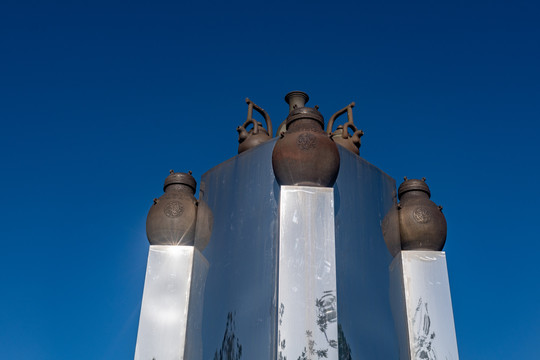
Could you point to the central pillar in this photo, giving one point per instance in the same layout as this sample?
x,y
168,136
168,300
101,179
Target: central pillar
x,y
307,299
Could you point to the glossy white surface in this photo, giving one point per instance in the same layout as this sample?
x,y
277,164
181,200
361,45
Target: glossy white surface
x,y
422,306
172,304
307,302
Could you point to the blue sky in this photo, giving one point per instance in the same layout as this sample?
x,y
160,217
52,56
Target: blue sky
x,y
98,100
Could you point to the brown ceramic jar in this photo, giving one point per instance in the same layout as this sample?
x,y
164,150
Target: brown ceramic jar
x,y
171,219
350,142
257,135
341,136
304,154
422,225
249,139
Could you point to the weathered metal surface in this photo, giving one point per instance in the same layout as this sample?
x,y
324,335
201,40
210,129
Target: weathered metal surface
x,y
257,135
308,317
304,154
422,306
171,310
240,316
341,136
363,195
421,222
171,219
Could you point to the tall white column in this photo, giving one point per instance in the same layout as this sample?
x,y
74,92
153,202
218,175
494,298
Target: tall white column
x,y
307,300
422,306
171,311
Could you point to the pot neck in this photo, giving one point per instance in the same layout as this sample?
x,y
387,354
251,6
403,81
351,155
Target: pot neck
x,y
414,194
179,187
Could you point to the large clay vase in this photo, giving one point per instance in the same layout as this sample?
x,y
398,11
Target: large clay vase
x,y
422,225
304,154
171,219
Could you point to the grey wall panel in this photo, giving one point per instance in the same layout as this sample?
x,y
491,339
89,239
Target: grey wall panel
x,y
241,289
363,195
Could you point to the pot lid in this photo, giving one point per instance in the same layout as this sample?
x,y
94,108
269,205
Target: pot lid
x,y
413,185
180,178
305,113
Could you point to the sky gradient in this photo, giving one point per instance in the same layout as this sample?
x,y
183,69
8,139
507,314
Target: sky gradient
x,y
98,100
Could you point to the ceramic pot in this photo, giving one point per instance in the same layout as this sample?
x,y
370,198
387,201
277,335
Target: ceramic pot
x,y
422,225
350,141
172,218
305,155
257,135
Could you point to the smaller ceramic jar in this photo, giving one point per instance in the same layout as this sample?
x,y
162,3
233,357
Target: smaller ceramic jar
x,y
172,218
342,136
257,135
422,225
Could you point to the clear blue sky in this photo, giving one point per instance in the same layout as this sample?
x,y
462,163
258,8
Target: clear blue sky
x,y
98,100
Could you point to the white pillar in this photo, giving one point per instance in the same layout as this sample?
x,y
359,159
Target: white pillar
x,y
307,300
171,311
422,306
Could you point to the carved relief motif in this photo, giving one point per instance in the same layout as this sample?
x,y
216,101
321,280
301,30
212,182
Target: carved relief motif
x,y
173,209
306,141
421,215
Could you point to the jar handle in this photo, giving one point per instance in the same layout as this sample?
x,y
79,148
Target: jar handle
x,y
347,109
246,124
357,134
251,106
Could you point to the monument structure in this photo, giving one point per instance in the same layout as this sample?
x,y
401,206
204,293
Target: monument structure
x,y
297,249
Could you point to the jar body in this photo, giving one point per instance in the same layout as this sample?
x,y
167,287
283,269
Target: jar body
x,y
171,219
253,140
305,156
348,143
422,225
